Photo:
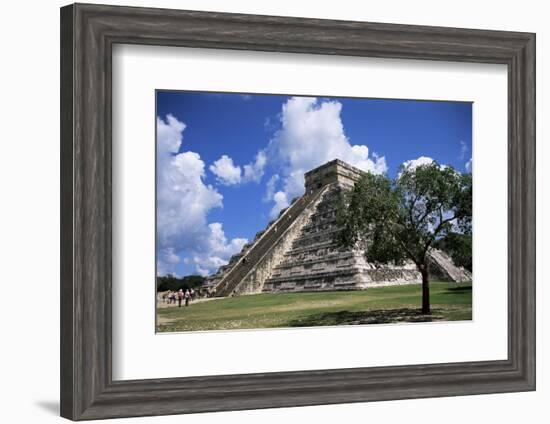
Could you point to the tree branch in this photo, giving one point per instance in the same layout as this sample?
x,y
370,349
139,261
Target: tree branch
x,y
436,231
403,245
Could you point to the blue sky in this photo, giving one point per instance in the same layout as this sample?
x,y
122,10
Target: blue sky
x,y
227,163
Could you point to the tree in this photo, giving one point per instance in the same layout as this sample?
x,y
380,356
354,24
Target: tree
x,y
459,247
170,282
396,220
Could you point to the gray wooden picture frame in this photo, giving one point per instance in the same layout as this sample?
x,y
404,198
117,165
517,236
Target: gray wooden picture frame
x,y
88,33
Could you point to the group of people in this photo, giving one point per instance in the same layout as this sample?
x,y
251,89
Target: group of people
x,y
180,296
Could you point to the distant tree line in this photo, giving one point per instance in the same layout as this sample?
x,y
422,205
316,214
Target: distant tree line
x,y
171,282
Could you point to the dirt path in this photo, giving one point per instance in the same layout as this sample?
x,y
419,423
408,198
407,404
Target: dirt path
x,y
162,304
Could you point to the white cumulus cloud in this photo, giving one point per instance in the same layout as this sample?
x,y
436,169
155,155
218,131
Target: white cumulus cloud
x,y
270,187
311,134
183,202
255,171
219,250
410,165
281,201
225,171
167,259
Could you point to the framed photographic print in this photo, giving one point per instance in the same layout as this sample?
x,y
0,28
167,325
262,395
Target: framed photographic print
x,y
306,264
264,212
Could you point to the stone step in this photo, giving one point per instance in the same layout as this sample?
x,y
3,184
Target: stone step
x,y
325,259
441,265
318,229
314,247
304,276
233,277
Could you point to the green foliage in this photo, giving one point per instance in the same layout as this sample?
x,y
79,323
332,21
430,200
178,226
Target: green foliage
x,y
402,219
395,220
367,218
170,282
459,247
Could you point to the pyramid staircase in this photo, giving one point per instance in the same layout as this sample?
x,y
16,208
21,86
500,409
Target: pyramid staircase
x,y
263,251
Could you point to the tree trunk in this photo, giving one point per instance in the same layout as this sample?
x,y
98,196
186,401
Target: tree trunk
x,y
425,290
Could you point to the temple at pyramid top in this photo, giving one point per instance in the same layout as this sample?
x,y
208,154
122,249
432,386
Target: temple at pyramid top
x,y
335,171
299,251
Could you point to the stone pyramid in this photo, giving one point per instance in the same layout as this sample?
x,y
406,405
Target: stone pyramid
x,y
298,251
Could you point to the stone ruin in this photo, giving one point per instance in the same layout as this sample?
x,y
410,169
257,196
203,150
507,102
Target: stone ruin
x,y
298,251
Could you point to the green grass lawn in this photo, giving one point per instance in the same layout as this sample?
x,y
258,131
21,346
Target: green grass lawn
x,y
449,301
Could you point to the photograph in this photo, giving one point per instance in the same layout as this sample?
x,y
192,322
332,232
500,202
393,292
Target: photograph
x,y
287,211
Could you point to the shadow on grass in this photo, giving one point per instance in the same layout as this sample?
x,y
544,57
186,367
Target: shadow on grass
x,y
379,316
457,290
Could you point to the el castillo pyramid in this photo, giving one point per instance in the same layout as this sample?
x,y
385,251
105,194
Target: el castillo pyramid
x,y
298,251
